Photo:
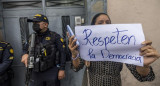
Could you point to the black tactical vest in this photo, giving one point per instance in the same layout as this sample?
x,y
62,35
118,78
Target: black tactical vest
x,y
45,54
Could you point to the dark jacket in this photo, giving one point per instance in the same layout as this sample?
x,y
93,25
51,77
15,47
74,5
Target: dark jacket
x,y
6,57
56,40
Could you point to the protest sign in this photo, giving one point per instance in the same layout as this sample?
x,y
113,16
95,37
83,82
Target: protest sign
x,y
112,42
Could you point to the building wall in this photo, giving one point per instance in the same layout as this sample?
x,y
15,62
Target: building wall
x,y
147,13
0,21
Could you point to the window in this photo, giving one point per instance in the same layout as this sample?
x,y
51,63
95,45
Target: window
x,y
22,4
57,3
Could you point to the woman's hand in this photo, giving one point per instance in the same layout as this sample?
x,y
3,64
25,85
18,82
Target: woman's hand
x,y
149,53
72,46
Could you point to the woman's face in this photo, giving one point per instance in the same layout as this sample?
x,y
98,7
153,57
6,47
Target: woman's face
x,y
102,19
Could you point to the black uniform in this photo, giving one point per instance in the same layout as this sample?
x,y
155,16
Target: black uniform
x,y
6,58
50,42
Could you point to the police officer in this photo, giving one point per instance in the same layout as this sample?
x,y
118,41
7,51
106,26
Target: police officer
x,y
48,68
6,58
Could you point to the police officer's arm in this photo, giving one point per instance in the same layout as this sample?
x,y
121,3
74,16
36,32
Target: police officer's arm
x,y
25,59
61,47
7,59
25,53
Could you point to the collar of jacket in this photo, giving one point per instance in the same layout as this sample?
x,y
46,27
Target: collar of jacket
x,y
44,33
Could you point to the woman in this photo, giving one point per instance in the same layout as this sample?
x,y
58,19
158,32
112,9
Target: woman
x,y
107,73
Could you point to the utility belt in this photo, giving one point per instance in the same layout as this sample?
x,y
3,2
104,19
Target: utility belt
x,y
6,76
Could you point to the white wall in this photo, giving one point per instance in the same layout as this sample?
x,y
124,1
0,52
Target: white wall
x,y
146,12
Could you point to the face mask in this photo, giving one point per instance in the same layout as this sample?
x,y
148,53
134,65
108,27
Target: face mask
x,y
36,28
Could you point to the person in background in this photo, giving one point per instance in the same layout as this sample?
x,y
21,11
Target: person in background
x,y
6,59
48,67
107,73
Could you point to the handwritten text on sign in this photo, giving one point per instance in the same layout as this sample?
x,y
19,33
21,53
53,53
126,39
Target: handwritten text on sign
x,y
113,42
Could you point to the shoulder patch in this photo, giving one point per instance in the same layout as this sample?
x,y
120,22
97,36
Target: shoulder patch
x,y
11,51
48,38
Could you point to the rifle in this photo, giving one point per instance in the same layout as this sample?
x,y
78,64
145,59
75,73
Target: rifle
x,y
30,59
